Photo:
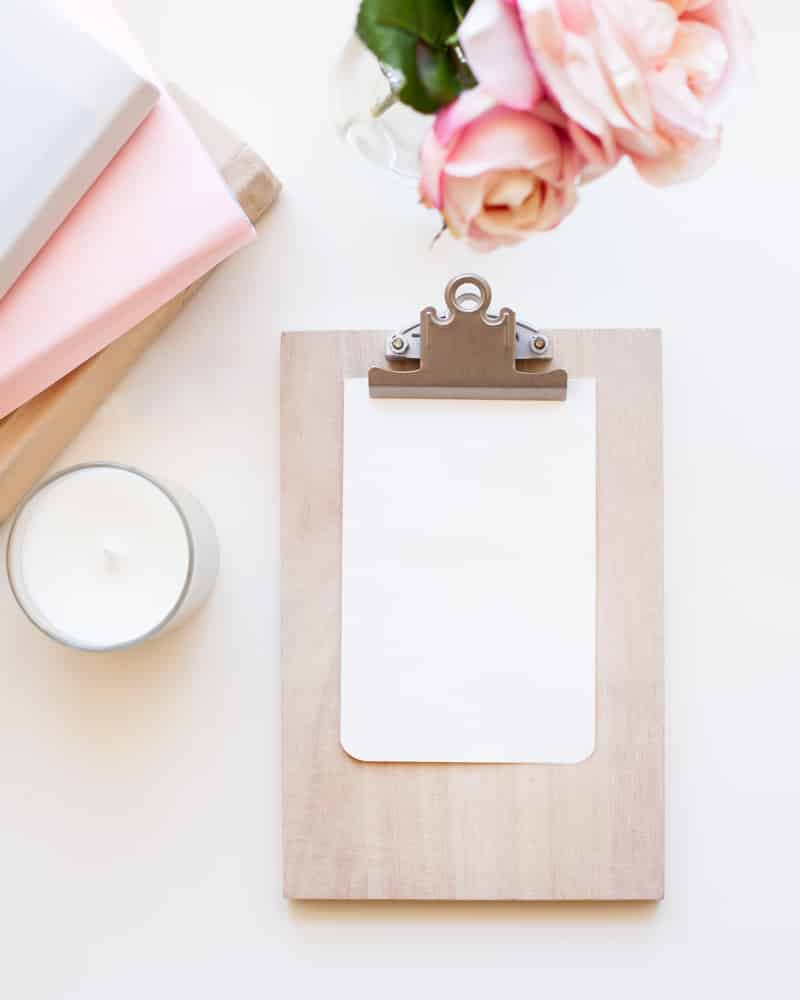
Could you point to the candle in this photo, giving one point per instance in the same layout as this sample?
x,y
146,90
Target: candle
x,y
103,556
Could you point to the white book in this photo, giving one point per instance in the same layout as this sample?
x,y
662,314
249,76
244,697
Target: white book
x,y
67,106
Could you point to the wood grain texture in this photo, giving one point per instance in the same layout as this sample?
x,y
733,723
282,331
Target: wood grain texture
x,y
33,436
591,831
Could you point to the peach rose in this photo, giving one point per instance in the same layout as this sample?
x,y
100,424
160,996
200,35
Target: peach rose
x,y
649,78
496,173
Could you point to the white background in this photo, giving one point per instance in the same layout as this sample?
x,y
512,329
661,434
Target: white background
x,y
140,794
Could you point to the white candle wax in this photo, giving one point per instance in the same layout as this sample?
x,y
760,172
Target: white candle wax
x,y
102,556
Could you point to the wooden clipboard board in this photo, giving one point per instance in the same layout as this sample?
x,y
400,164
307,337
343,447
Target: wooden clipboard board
x,y
590,831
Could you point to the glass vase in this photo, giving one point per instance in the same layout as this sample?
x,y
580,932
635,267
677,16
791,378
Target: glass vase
x,y
368,115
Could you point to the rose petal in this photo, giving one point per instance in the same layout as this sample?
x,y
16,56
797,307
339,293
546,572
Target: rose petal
x,y
625,75
459,113
685,162
557,54
677,105
462,200
484,242
493,42
576,15
682,6
646,29
727,17
504,139
595,158
432,157
511,190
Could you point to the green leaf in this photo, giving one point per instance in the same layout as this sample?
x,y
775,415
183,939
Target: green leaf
x,y
461,7
433,21
415,38
438,71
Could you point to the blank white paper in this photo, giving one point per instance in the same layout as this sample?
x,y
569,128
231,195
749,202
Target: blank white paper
x,y
468,578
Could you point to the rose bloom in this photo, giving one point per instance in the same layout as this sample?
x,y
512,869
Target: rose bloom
x,y
497,173
649,78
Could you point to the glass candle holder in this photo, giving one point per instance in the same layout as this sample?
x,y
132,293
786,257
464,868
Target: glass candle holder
x,y
103,556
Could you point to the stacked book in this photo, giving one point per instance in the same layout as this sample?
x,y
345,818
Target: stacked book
x,y
109,204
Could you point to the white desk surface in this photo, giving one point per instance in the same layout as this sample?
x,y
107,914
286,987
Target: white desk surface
x,y
140,798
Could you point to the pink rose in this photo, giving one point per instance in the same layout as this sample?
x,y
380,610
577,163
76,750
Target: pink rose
x,y
497,173
566,87
493,41
647,77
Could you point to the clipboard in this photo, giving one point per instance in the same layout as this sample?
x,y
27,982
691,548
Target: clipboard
x,y
586,831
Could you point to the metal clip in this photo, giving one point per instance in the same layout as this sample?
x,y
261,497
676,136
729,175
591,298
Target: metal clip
x,y
530,343
468,353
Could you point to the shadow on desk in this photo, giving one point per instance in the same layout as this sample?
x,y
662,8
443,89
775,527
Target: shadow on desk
x,y
544,912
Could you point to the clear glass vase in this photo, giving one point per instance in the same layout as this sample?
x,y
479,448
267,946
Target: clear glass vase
x,y
368,115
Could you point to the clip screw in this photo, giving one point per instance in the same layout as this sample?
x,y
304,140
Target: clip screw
x,y
399,344
538,343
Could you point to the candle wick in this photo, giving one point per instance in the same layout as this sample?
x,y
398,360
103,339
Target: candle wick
x,y
114,553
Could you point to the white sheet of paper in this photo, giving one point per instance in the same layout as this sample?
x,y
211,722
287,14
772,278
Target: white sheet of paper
x,y
468,578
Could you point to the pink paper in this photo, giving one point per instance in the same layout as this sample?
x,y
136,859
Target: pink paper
x,y
158,218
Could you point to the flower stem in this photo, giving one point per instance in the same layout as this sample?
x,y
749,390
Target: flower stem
x,y
383,106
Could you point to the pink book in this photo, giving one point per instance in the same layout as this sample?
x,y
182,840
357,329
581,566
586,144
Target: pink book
x,y
159,217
